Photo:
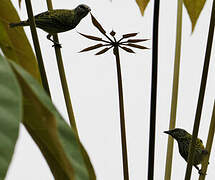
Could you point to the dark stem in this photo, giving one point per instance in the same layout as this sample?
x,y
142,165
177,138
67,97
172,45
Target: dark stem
x,y
201,93
153,92
122,116
37,46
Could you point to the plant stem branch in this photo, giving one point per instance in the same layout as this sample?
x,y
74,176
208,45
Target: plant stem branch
x,y
209,145
174,90
63,79
153,91
122,116
201,93
37,46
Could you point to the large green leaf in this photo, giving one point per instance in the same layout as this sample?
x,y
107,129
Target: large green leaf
x,y
142,5
56,140
14,42
10,114
194,8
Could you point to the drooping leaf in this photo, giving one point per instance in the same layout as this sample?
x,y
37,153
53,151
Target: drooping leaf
x,y
56,140
103,51
97,25
13,41
136,46
127,49
136,40
92,47
194,8
129,35
142,5
11,114
91,37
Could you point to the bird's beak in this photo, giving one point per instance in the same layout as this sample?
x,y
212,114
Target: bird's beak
x,y
167,132
89,9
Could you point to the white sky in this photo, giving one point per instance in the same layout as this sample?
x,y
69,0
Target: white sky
x,y
93,88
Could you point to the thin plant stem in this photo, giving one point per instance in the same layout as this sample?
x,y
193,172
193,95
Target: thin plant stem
x,y
201,93
153,91
122,115
209,145
37,46
63,79
174,91
65,88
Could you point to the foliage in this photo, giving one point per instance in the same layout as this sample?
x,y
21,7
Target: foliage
x,y
194,8
11,114
14,42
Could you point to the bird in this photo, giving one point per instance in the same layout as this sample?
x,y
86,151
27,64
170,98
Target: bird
x,y
184,140
57,21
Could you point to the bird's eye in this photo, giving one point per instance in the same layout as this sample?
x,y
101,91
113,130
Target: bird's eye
x,y
82,7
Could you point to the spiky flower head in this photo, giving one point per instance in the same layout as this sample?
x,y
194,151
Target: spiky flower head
x,y
111,41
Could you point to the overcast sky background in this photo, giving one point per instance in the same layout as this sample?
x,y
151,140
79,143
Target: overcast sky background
x,y
93,87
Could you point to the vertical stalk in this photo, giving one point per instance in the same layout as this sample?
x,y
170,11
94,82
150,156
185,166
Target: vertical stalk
x,y
153,91
209,145
65,88
201,92
122,116
174,91
63,79
37,46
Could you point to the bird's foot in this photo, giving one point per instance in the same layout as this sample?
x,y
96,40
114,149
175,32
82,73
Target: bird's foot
x,y
57,45
202,173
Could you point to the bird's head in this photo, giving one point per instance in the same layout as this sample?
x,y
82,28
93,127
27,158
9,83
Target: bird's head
x,y
177,133
82,10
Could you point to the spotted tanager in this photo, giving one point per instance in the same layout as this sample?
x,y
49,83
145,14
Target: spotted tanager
x,y
57,21
184,141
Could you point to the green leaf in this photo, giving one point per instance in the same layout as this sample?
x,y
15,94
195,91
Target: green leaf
x,y
11,114
13,41
194,8
56,140
142,5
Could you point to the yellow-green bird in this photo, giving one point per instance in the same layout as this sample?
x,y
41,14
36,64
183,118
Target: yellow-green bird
x,y
184,140
57,21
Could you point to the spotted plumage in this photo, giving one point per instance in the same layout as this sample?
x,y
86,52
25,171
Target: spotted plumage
x,y
184,140
57,21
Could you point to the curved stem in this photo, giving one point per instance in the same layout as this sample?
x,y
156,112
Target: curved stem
x,y
122,115
174,91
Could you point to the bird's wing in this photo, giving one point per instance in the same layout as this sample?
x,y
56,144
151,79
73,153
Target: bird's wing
x,y
55,19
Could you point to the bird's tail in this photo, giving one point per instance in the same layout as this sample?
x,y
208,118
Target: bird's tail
x,y
21,23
